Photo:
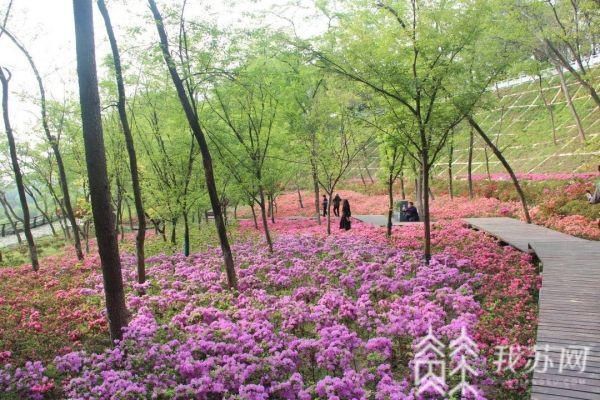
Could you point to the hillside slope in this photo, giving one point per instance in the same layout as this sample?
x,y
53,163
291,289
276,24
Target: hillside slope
x,y
520,123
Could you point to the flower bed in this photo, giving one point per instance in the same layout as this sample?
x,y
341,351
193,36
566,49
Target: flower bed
x,y
322,317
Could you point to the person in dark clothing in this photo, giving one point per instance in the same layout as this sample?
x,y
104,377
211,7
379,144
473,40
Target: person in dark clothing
x,y
412,215
346,214
324,203
336,205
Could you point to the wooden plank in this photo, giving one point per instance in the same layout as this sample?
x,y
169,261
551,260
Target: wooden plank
x,y
569,302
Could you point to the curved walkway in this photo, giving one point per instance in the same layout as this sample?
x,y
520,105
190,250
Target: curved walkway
x,y
568,335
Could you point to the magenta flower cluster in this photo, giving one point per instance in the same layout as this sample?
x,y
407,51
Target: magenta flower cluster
x,y
320,318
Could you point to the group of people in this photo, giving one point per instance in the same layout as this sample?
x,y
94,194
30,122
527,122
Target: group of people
x,y
346,214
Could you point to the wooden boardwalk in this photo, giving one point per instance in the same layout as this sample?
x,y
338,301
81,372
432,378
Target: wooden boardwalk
x,y
569,307
381,220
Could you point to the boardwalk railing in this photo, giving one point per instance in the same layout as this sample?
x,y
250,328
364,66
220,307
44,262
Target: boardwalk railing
x,y
6,229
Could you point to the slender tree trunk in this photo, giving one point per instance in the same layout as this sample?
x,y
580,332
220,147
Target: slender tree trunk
x,y
118,205
470,163
299,196
548,108
130,216
263,214
563,62
45,212
367,169
426,216
254,216
163,231
192,118
108,246
11,210
174,231
487,164
315,179
402,187
11,221
186,235
362,178
5,77
329,196
41,211
390,187
55,149
506,165
63,227
135,180
565,90
450,160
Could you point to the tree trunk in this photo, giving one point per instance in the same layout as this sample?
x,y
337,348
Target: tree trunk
x,y
426,216
186,235
254,216
450,159
315,179
131,227
55,149
565,63
12,222
402,187
548,108
565,90
390,187
174,231
470,164
367,169
263,214
108,246
487,164
506,165
5,77
135,180
299,196
191,115
362,178
41,211
329,196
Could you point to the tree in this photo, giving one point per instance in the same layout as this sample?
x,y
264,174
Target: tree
x,y
187,100
5,78
126,128
569,33
91,119
246,108
53,141
339,139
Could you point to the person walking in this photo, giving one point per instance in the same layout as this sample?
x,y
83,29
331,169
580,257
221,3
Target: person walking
x,y
336,205
325,203
346,214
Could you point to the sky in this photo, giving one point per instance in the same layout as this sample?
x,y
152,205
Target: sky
x,y
46,29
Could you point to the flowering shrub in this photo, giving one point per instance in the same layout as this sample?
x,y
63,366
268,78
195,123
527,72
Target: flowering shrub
x,y
49,311
562,208
320,318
